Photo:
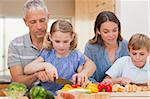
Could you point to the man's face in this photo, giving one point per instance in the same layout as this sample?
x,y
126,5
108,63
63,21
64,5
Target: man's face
x,y
139,57
37,21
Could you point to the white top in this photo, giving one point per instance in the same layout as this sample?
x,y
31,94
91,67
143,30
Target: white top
x,y
123,67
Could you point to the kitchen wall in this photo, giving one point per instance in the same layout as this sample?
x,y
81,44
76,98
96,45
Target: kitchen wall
x,y
134,16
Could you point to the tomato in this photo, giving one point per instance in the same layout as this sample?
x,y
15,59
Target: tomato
x,y
104,87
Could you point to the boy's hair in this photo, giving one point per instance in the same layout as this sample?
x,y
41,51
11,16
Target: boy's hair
x,y
34,4
138,41
64,27
102,17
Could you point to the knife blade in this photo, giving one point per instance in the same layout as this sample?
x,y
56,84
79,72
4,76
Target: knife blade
x,y
63,81
139,84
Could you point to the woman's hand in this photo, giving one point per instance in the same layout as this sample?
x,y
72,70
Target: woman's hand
x,y
108,80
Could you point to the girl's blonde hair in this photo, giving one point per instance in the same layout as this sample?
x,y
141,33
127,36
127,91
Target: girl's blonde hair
x,y
61,26
138,41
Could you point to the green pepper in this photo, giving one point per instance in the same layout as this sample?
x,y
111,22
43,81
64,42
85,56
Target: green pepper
x,y
38,92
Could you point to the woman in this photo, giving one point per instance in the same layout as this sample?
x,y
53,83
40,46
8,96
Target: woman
x,y
107,45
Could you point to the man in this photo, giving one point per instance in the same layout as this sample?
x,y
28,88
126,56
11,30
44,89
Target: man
x,y
26,48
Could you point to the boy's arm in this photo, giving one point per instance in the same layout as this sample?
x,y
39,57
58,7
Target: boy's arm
x,y
119,80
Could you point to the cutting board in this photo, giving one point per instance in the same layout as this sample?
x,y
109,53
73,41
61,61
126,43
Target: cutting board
x,y
101,95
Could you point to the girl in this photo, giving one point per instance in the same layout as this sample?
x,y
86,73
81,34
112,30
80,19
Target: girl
x,y
59,58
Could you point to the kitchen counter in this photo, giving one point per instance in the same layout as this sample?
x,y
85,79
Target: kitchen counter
x,y
130,95
113,95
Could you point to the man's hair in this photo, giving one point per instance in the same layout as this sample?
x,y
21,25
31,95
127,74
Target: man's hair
x,y
34,4
138,41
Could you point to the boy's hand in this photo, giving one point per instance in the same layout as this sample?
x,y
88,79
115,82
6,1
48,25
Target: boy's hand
x,y
125,81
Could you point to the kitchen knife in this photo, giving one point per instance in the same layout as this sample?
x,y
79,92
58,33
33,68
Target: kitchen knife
x,y
62,81
139,84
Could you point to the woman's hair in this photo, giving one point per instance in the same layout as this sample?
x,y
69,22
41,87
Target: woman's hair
x,y
138,41
64,27
34,4
101,18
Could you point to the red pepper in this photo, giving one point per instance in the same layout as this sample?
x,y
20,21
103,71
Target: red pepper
x,y
104,87
75,85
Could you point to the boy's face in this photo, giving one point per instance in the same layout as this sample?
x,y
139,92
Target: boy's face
x,y
139,56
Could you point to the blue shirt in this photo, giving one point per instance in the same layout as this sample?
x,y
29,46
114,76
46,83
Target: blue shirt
x,y
99,56
66,66
124,67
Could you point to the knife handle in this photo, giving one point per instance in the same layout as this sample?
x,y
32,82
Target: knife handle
x,y
54,79
76,80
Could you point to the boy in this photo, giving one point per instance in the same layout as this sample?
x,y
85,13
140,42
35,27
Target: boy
x,y
132,68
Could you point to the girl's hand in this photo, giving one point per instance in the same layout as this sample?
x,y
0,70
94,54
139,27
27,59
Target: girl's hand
x,y
86,83
51,72
79,78
42,75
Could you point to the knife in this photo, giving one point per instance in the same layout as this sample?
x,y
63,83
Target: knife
x,y
62,81
139,84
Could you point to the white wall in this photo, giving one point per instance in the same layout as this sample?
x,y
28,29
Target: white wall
x,y
133,15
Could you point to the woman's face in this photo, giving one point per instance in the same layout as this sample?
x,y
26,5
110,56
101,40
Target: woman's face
x,y
109,32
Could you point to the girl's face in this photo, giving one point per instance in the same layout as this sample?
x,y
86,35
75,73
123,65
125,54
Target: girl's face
x,y
139,57
109,32
61,42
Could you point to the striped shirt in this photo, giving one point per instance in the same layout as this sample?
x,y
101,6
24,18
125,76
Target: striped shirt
x,y
21,51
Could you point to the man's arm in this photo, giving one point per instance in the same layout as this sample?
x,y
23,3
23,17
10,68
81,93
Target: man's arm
x,y
18,76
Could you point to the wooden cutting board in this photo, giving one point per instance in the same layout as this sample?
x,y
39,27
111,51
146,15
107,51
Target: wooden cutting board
x,y
101,95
